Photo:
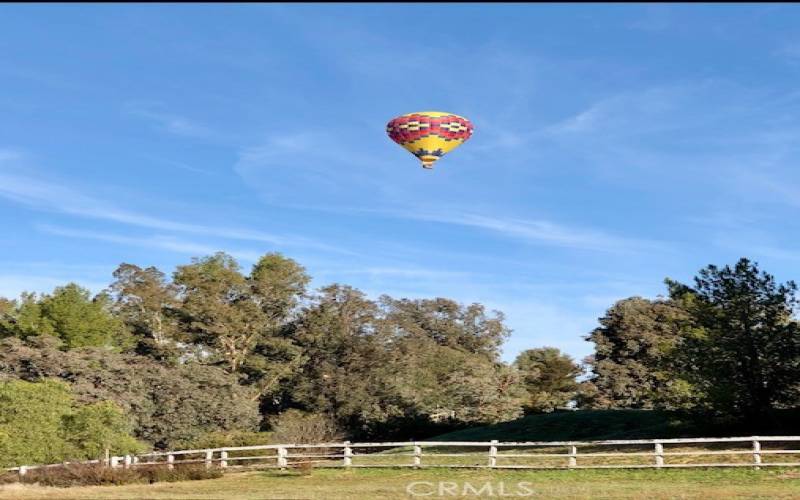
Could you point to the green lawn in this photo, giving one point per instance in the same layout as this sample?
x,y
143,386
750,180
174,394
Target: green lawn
x,y
393,483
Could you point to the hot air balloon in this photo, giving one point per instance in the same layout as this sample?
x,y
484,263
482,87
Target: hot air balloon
x,y
429,135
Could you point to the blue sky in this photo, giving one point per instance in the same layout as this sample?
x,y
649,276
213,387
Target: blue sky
x,y
614,146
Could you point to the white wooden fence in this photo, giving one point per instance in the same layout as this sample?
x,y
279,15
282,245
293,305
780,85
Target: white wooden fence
x,y
753,451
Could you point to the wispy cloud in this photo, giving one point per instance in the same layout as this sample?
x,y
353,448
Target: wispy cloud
x,y
161,242
42,276
532,231
12,285
648,110
178,164
290,168
403,272
544,232
170,122
43,195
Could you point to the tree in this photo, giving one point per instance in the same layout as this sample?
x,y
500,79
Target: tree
x,y
30,421
40,423
91,429
24,318
146,302
218,308
344,373
549,378
376,369
166,405
7,306
445,384
445,361
743,343
449,324
69,313
277,285
634,363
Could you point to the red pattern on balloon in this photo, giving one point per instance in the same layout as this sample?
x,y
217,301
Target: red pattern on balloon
x,y
410,128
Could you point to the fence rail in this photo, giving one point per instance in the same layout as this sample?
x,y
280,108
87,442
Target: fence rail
x,y
752,451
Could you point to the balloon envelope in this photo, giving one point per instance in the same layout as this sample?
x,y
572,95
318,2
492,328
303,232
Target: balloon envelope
x,y
429,135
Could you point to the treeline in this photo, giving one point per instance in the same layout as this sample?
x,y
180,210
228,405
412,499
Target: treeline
x,y
213,351
213,354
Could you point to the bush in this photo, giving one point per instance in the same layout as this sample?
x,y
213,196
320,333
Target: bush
x,y
230,439
295,426
181,472
81,475
100,475
304,468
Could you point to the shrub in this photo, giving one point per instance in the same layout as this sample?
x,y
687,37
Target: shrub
x,y
181,472
100,475
220,439
295,426
81,475
304,468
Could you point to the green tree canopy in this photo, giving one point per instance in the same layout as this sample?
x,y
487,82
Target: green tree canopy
x,y
40,423
372,366
743,345
549,376
166,405
69,313
634,363
24,318
147,303
345,363
448,323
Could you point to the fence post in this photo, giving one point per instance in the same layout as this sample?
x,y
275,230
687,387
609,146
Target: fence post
x,y
493,454
659,454
114,462
417,455
127,461
282,454
573,456
170,461
23,469
756,454
209,456
348,454
223,459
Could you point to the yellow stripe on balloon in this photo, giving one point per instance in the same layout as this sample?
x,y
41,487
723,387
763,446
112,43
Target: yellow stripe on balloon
x,y
426,137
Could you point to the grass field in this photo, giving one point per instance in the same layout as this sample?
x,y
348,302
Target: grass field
x,y
393,483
